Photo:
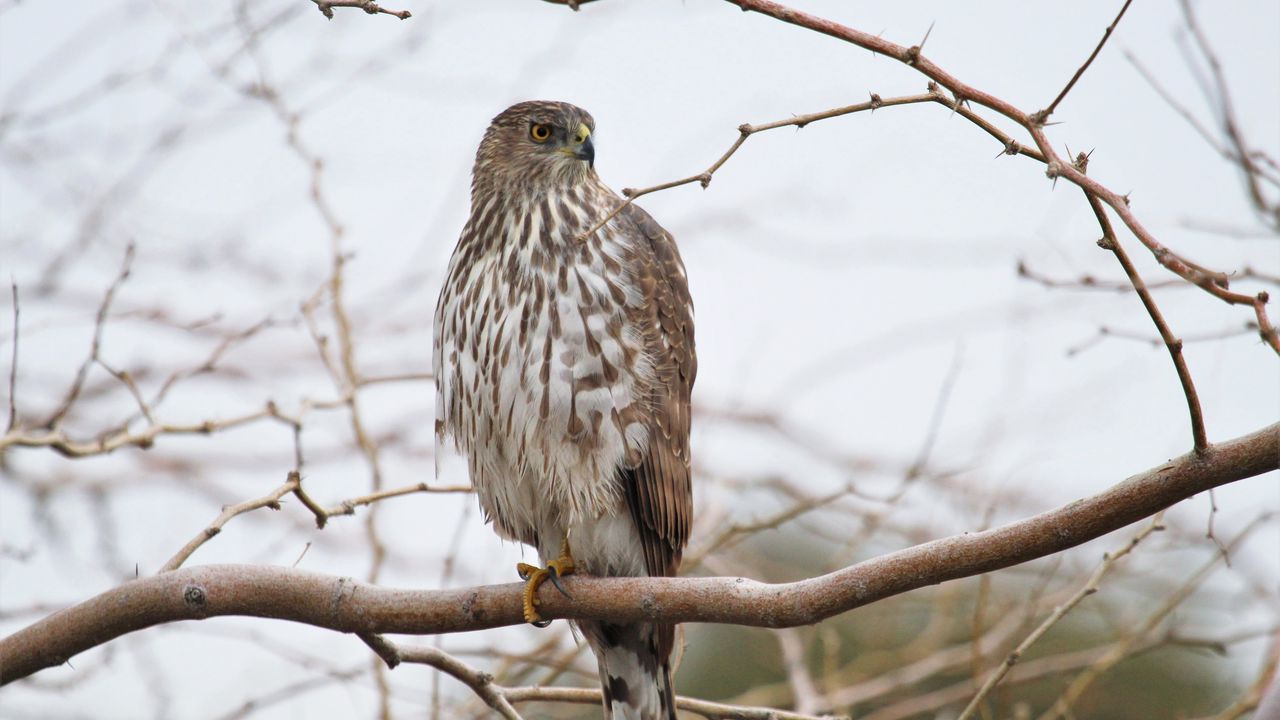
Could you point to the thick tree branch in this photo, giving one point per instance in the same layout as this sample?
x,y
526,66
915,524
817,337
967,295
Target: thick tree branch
x,y
345,605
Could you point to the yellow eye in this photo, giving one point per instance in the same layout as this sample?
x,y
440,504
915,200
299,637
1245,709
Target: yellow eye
x,y
540,133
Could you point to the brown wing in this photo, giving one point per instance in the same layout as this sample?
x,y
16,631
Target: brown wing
x,y
658,489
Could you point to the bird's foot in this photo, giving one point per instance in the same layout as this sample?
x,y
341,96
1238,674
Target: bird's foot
x,y
534,576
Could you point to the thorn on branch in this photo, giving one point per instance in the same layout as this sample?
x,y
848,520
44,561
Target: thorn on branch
x,y
1081,161
876,102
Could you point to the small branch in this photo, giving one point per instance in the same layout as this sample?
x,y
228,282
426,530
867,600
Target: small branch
x,y
327,6
77,385
270,500
345,605
1071,83
348,507
1248,327
1089,282
739,530
745,131
480,682
1109,242
143,439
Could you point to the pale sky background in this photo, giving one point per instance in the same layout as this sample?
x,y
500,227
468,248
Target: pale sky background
x,y
840,272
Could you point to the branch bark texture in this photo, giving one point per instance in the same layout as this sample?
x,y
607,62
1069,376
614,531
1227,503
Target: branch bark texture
x,y
346,605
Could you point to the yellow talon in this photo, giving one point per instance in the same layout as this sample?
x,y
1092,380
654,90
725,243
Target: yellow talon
x,y
534,576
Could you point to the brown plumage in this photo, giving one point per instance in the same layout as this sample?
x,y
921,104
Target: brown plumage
x,y
564,367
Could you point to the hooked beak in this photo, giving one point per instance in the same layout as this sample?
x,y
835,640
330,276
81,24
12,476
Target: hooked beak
x,y
581,147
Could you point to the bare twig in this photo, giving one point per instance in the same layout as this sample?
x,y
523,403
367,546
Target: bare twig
x,y
1106,35
270,500
1270,212
58,440
77,385
1248,327
747,130
327,6
348,507
481,683
1089,282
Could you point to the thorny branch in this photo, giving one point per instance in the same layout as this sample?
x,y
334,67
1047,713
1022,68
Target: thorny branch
x,y
1034,123
1110,242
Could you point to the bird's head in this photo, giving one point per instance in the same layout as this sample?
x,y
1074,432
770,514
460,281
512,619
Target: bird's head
x,y
538,143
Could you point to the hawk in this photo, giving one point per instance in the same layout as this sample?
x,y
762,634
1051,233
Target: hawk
x,y
564,362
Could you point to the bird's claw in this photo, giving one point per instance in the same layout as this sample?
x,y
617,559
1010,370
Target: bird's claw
x,y
554,576
534,576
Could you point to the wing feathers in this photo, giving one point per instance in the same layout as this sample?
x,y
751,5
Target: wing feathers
x,y
658,490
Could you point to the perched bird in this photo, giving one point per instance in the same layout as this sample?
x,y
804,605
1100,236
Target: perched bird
x,y
564,361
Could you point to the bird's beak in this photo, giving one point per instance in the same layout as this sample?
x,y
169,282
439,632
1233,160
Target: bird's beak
x,y
582,147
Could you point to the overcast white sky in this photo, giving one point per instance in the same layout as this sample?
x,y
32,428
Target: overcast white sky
x,y
840,272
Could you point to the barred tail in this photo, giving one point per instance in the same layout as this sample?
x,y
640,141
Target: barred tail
x,y
635,671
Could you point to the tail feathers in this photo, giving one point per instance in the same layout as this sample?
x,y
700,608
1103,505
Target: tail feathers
x,y
635,677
